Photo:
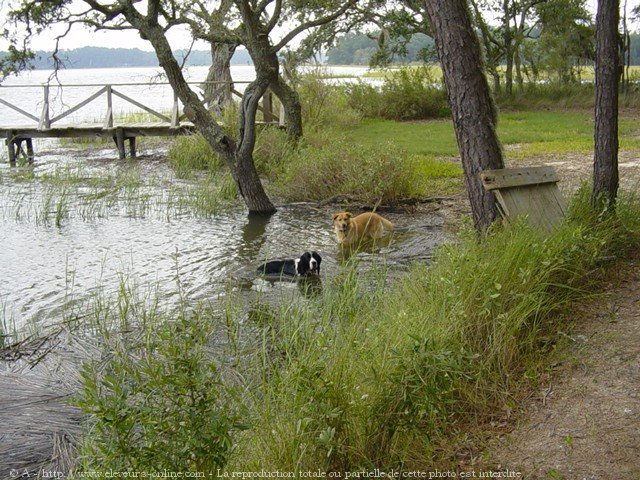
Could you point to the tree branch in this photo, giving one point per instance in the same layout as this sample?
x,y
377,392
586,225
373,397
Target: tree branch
x,y
275,17
313,23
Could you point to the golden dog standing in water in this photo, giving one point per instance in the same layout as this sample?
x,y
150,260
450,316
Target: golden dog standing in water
x,y
368,225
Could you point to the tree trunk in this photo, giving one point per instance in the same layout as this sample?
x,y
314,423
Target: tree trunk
x,y
508,47
472,108
292,108
239,157
218,95
508,72
605,163
518,65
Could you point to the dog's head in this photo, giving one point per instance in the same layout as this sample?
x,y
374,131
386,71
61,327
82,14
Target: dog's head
x,y
342,221
308,264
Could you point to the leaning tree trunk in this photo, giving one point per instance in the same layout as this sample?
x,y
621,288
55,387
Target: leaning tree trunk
x,y
605,162
472,108
249,181
218,95
238,157
292,107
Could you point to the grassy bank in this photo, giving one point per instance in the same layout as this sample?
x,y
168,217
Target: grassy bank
x,y
534,133
377,160
363,376
357,148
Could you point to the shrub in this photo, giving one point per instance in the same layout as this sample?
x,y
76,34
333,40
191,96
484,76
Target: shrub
x,y
328,165
369,174
325,104
158,403
406,94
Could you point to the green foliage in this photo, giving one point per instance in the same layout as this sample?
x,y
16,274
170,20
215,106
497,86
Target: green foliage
x,y
159,403
407,94
355,48
324,105
566,43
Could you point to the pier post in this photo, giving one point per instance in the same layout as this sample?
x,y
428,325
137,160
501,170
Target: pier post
x,y
175,111
108,120
30,155
45,121
11,146
132,147
119,138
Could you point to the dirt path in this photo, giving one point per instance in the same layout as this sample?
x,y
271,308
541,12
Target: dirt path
x,y
584,422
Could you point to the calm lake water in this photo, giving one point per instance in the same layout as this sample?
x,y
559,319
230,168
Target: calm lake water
x,y
61,244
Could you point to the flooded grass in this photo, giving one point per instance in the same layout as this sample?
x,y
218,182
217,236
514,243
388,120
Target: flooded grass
x,y
90,193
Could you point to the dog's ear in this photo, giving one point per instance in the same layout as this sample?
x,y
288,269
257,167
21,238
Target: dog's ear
x,y
302,266
348,214
335,215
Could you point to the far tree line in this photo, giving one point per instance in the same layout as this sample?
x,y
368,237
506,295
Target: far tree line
x,y
104,57
353,48
358,48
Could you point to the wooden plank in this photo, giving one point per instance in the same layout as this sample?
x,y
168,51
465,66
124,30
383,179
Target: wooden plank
x,y
516,177
528,192
140,105
19,110
149,129
79,105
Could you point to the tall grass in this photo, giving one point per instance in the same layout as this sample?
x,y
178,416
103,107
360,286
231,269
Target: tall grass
x,y
371,378
68,192
558,95
361,376
192,153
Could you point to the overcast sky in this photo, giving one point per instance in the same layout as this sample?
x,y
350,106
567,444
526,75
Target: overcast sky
x,y
80,37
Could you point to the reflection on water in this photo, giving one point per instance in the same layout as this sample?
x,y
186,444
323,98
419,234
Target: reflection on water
x,y
45,264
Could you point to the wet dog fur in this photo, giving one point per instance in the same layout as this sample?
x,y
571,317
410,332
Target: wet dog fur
x,y
351,230
307,264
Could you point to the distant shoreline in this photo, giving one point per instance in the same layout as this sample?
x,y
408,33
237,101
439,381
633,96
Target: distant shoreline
x,y
103,57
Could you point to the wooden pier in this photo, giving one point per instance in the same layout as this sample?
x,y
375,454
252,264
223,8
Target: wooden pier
x,y
19,138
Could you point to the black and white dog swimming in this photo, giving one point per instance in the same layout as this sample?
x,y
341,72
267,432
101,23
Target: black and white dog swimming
x,y
307,264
